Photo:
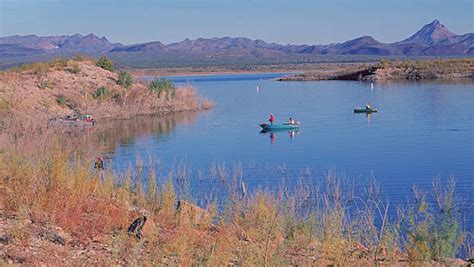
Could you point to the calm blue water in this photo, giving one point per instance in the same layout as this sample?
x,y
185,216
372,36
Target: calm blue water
x,y
422,131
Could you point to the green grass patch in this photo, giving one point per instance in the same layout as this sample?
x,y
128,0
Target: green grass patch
x,y
101,93
45,84
61,100
161,86
125,79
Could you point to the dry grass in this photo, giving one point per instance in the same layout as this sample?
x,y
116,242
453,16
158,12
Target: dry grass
x,y
207,104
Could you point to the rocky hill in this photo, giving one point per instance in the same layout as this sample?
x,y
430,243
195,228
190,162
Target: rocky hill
x,y
44,90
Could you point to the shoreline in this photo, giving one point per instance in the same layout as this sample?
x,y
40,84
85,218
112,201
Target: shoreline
x,y
165,74
408,70
253,69
435,69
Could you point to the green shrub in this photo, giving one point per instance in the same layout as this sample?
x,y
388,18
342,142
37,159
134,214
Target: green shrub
x,y
125,79
101,92
76,69
61,100
45,84
4,104
59,62
384,63
162,86
79,57
105,63
433,232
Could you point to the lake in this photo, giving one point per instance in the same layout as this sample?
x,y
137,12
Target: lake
x,y
422,131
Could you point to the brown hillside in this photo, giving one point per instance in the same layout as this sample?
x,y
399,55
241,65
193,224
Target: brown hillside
x,y
46,90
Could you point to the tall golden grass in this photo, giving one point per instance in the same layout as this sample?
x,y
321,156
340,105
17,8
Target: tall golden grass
x,y
310,225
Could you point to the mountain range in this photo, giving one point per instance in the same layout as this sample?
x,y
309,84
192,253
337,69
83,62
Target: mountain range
x,y
433,39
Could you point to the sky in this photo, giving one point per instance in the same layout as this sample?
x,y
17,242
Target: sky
x,y
281,21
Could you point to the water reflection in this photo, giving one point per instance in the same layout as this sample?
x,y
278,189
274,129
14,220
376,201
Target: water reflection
x,y
272,134
108,134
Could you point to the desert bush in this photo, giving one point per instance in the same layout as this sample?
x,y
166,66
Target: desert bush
x,y
125,79
168,197
38,68
59,62
433,232
100,93
61,100
80,58
161,86
105,63
384,63
75,69
207,104
44,84
4,105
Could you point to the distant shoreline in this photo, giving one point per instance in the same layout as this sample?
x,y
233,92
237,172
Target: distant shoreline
x,y
296,69
408,70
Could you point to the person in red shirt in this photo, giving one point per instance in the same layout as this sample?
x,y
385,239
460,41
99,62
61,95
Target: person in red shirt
x,y
272,118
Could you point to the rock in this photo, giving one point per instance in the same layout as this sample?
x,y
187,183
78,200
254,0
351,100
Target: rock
x,y
55,235
189,213
5,239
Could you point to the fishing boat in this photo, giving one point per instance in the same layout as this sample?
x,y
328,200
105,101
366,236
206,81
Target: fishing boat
x,y
364,110
73,120
284,126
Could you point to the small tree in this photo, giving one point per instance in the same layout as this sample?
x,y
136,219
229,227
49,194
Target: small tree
x,y
125,79
384,63
105,63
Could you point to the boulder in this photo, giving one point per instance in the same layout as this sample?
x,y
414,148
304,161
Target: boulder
x,y
187,212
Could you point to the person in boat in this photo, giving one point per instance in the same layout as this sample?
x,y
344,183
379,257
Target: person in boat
x,y
272,118
99,164
367,106
291,121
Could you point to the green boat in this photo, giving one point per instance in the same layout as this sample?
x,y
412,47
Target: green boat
x,y
273,127
364,110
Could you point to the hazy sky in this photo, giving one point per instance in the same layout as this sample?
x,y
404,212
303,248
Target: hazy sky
x,y
282,21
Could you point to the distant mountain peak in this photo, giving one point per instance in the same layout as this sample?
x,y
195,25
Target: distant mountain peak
x,y
360,41
430,33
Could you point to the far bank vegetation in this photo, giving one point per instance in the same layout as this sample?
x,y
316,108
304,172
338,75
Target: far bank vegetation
x,y
438,69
